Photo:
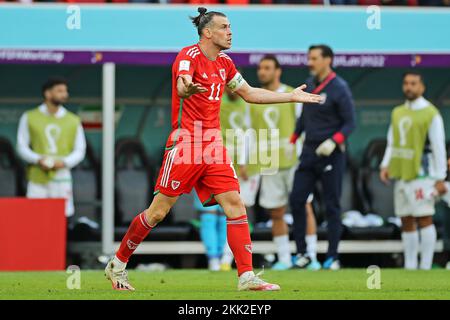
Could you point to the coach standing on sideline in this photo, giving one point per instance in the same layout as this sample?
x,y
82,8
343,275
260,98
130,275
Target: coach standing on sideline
x,y
326,127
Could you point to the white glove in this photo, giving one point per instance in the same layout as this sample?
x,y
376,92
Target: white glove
x,y
289,150
326,148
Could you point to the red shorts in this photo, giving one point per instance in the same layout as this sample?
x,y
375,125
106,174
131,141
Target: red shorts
x,y
185,167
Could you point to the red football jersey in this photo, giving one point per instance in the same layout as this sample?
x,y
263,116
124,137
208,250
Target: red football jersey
x,y
212,75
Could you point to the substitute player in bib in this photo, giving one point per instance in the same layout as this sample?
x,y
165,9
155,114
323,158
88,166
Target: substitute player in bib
x,y
275,187
195,156
415,156
51,140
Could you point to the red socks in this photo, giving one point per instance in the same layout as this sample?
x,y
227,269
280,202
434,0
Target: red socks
x,y
138,230
238,236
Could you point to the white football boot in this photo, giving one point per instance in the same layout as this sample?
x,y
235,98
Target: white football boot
x,y
118,278
253,282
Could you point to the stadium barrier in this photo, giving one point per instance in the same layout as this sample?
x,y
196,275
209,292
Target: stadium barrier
x,y
32,234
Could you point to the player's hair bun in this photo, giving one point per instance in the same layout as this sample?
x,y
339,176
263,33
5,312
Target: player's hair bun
x,y
202,10
204,18
196,20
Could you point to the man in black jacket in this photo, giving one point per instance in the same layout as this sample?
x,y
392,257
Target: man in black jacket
x,y
326,128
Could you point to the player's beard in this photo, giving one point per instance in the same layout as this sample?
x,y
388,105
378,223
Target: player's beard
x,y
265,83
58,102
410,96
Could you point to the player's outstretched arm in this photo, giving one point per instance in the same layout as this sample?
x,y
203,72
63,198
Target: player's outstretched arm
x,y
186,88
263,96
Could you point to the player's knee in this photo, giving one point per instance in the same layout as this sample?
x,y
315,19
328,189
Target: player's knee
x,y
277,217
238,204
408,224
424,222
235,206
277,214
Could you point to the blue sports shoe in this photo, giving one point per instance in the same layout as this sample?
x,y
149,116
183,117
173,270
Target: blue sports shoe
x,y
280,266
331,264
314,266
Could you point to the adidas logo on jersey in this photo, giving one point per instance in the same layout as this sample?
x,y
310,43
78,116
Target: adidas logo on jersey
x,y
204,76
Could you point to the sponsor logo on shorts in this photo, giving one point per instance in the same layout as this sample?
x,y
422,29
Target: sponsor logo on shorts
x,y
175,184
248,247
131,245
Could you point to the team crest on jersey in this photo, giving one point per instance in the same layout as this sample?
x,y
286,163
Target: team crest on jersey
x,y
222,74
175,184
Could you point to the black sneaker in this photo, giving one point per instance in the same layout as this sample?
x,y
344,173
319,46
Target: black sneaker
x,y
302,261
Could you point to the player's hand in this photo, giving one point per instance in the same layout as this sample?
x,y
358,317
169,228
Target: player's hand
x,y
191,88
289,150
326,148
298,95
59,164
46,164
243,173
384,176
440,187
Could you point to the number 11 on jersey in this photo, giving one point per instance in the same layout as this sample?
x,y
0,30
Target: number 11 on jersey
x,y
211,97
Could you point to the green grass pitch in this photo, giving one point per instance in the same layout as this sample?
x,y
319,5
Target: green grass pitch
x,y
204,285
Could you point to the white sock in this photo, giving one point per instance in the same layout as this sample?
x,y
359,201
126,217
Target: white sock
x,y
311,246
283,249
118,265
427,243
227,256
214,264
411,248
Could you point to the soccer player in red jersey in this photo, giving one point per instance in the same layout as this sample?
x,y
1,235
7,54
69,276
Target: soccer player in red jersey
x,y
195,156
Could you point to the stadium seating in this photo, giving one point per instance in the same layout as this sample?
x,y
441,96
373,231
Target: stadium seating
x,y
155,130
134,180
86,185
134,192
377,197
